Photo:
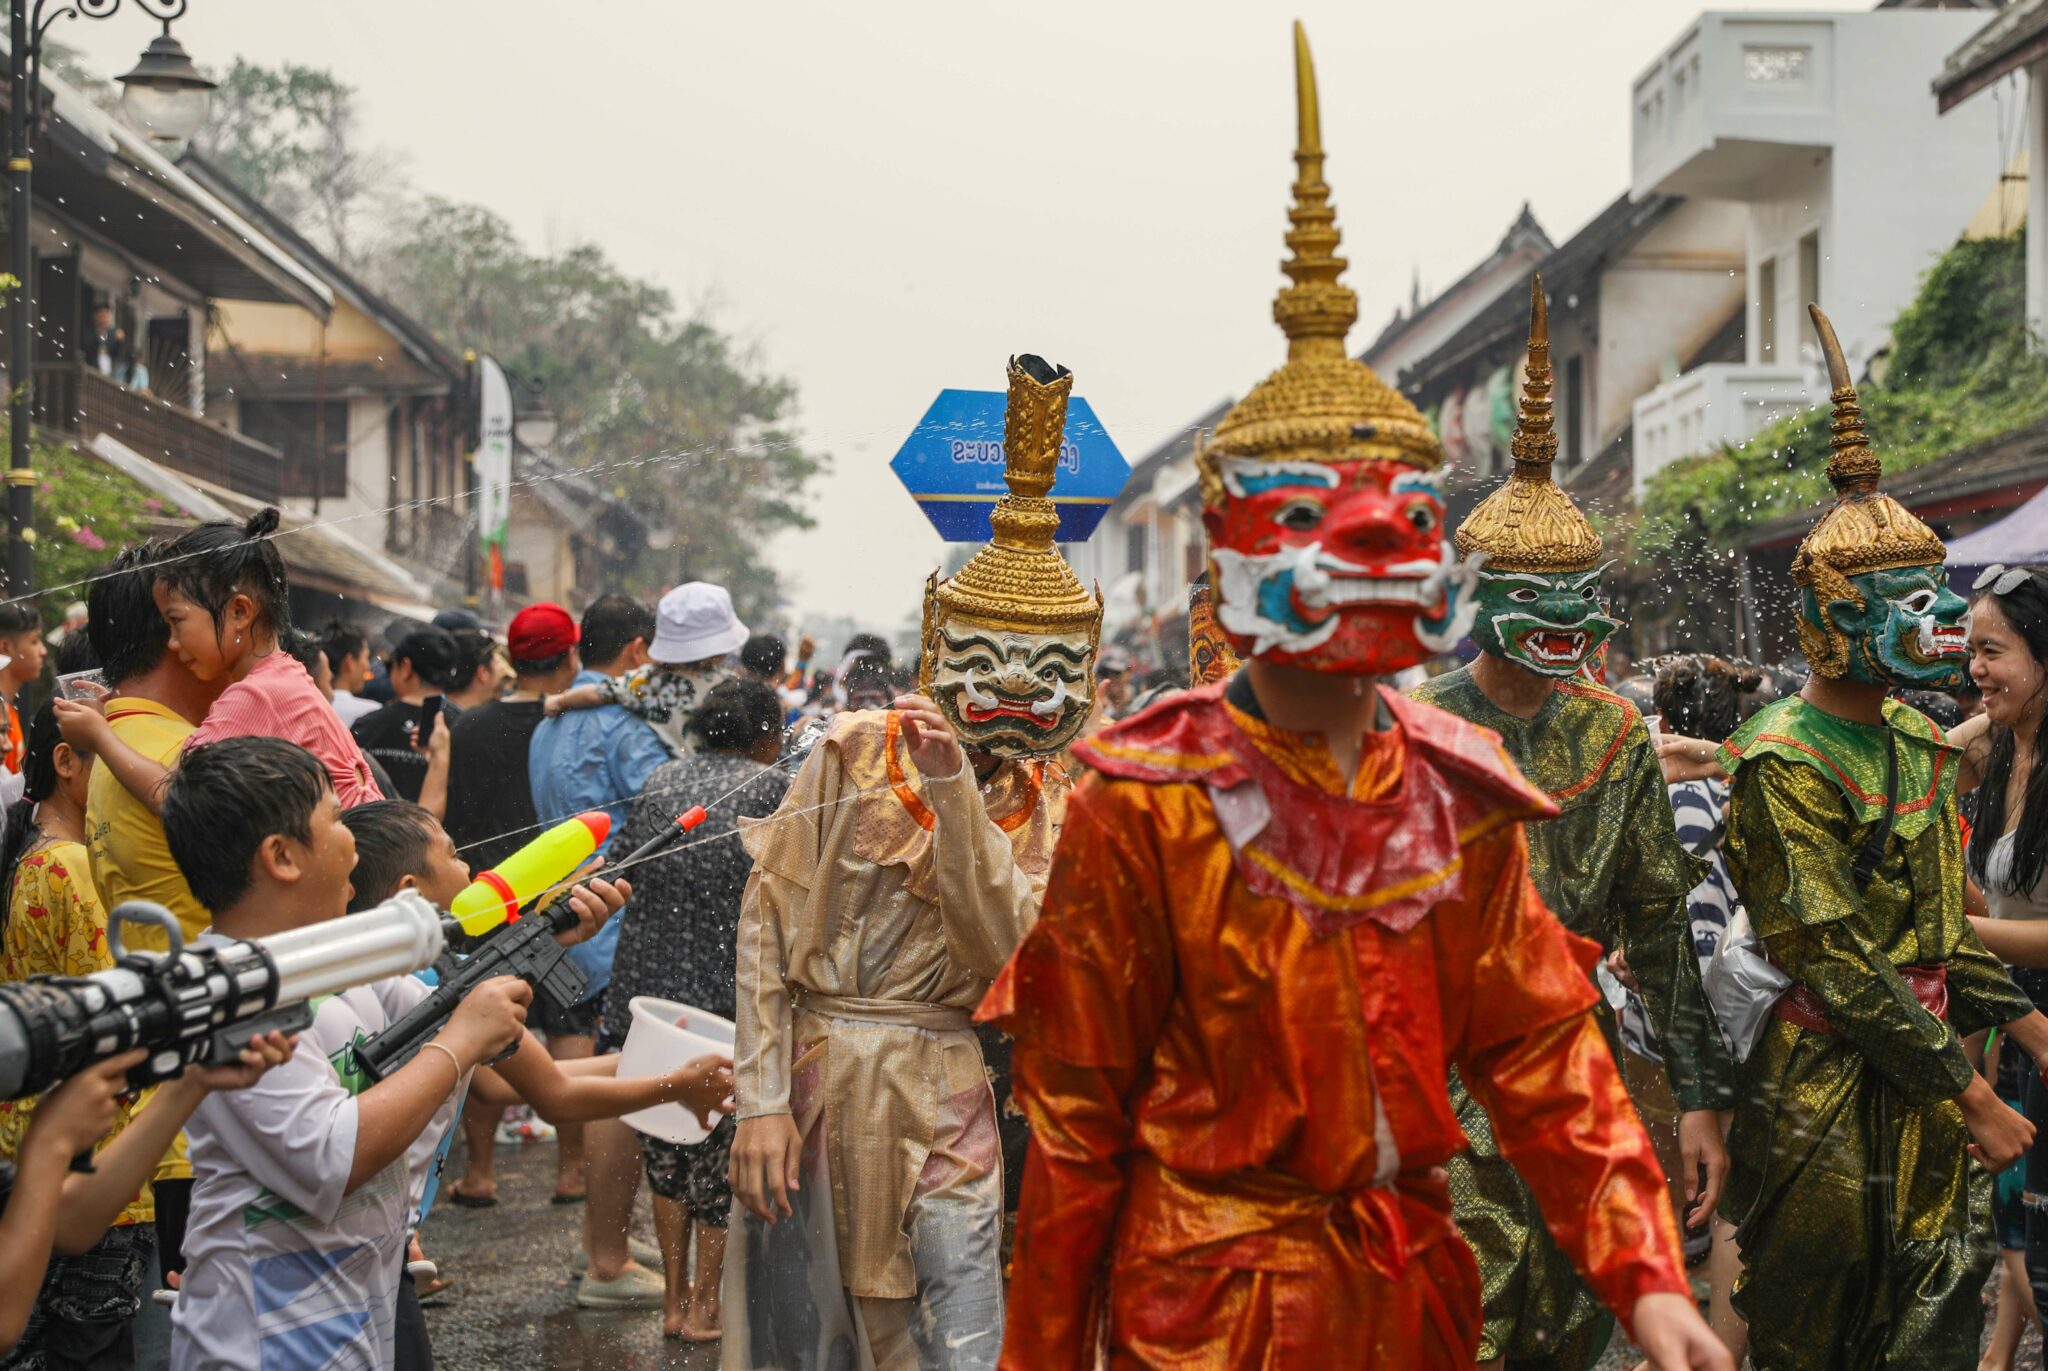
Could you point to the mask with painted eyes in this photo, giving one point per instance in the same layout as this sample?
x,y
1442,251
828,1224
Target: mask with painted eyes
x,y
1008,644
1539,596
1874,601
1552,625
1904,628
1010,693
1336,566
1322,489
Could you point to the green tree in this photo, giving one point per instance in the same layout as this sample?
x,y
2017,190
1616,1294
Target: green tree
x,y
664,412
288,135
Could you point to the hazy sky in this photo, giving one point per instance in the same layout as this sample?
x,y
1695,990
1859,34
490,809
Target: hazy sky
x,y
890,198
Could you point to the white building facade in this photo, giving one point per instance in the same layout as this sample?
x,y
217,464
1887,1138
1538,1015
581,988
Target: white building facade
x,y
1820,126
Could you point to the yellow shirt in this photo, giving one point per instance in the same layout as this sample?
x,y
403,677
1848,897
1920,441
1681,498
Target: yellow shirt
x,y
56,926
130,858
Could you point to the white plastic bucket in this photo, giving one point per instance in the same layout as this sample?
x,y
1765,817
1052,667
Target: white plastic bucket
x,y
655,1044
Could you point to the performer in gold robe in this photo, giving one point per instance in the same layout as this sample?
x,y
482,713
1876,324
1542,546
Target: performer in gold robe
x,y
1864,1221
903,867
1609,865
1282,906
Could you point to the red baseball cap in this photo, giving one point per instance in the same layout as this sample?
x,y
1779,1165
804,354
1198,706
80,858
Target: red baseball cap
x,y
539,632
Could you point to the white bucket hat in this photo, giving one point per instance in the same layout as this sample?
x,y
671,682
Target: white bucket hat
x,y
695,622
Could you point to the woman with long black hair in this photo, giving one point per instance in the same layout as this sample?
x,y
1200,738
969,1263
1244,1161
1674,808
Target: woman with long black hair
x,y
2005,763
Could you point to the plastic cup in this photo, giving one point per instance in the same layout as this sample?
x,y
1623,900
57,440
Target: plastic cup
x,y
654,1044
83,686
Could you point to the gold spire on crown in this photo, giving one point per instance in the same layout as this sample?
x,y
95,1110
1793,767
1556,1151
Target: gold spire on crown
x,y
1020,581
1323,405
1866,530
1528,523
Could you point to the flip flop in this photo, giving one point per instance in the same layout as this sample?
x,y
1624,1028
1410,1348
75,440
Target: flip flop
x,y
559,1198
433,1288
469,1201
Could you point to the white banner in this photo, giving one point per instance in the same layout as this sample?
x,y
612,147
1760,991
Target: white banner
x,y
494,457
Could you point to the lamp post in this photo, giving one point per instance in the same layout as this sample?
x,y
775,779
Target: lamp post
x,y
166,98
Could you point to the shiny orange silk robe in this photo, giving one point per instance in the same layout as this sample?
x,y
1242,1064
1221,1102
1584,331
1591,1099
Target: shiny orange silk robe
x,y
1239,1121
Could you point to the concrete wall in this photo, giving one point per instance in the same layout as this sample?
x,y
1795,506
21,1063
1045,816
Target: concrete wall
x,y
1904,179
1662,301
2037,197
536,539
291,331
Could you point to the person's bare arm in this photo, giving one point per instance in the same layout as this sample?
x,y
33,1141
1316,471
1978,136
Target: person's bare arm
x,y
391,1113
2016,942
94,1199
703,1086
578,697
434,789
68,1120
85,727
1973,736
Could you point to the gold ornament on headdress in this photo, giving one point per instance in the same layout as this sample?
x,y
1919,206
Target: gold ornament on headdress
x,y
1019,581
1529,523
1865,531
1323,405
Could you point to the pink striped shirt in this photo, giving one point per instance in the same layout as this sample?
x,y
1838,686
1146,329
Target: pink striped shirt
x,y
277,699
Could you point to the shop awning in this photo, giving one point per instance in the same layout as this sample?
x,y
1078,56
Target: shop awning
x,y
2020,538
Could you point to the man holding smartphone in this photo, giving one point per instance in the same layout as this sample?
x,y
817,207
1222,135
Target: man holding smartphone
x,y
423,665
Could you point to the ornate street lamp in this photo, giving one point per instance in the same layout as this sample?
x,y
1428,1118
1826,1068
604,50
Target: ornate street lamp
x,y
167,98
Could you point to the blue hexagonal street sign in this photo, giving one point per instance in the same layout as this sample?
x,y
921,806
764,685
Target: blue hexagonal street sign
x,y
952,465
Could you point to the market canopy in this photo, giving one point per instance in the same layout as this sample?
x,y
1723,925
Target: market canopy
x,y
2019,539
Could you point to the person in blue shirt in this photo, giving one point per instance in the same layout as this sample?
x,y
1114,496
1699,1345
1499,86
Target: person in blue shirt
x,y
600,759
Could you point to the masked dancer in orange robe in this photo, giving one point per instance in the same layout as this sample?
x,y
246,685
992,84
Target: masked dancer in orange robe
x,y
1281,907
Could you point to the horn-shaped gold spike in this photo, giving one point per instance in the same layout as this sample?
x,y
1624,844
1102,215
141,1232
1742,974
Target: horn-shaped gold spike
x,y
1852,465
1535,442
1315,312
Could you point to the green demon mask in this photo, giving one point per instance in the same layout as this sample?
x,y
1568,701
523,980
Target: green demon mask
x,y
1902,627
1551,624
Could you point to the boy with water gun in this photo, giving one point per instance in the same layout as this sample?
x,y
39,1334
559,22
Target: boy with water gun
x,y
306,1182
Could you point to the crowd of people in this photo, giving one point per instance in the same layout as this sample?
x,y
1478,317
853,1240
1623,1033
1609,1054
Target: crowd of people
x,y
1398,987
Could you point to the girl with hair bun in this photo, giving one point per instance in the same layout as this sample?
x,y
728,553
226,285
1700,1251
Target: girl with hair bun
x,y
221,589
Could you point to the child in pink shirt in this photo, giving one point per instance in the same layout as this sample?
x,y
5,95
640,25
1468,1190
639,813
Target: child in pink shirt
x,y
221,588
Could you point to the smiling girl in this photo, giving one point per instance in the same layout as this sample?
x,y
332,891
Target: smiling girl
x,y
221,588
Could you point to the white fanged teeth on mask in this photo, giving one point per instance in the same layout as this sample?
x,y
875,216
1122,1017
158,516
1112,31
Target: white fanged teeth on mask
x,y
1352,590
1051,706
1569,646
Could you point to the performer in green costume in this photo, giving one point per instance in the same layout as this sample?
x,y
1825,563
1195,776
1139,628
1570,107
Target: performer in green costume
x,y
1863,1219
1609,866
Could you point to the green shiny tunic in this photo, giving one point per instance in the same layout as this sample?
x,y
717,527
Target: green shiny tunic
x,y
1865,1229
1611,868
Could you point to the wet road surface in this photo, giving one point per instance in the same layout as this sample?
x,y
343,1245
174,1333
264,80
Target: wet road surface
x,y
513,1304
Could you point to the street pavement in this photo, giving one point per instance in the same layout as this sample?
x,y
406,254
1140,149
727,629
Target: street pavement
x,y
513,1304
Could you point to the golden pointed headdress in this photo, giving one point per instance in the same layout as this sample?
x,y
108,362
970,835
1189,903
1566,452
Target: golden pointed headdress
x,y
1529,523
1020,581
1866,530
1323,405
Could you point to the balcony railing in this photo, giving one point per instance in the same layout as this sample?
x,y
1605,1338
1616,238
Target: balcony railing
x,y
1721,402
75,399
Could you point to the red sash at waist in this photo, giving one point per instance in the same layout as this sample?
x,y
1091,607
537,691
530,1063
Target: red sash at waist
x,y
1929,985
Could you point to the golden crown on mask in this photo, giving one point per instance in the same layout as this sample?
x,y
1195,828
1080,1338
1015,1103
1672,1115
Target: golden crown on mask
x,y
1019,581
1324,405
1528,523
1864,531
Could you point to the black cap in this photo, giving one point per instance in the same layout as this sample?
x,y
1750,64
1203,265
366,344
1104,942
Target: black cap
x,y
434,656
454,619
